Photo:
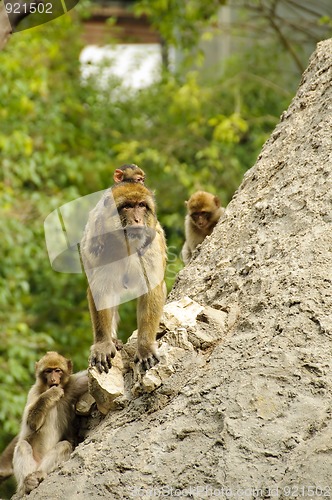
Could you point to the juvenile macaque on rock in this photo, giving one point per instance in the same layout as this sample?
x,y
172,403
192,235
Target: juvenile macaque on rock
x,y
204,210
47,432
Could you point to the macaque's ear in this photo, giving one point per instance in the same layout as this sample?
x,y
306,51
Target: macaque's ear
x,y
69,366
185,203
217,201
118,175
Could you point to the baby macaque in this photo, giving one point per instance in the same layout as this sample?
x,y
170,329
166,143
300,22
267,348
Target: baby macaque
x,y
129,173
204,211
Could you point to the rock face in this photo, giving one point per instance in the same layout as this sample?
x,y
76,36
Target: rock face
x,y
246,410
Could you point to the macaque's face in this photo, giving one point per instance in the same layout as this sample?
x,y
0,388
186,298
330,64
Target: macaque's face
x,y
139,178
53,370
52,376
135,206
201,219
135,218
124,223
203,209
133,213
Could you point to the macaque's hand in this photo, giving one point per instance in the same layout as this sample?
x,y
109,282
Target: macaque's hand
x,y
146,356
55,392
101,355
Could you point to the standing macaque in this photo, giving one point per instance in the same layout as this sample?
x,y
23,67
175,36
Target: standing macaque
x,y
47,432
124,256
204,211
129,173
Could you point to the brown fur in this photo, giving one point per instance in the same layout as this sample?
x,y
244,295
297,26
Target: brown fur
x,y
122,247
46,436
204,211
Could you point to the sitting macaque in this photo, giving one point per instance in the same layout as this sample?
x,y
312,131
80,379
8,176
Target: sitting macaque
x,y
124,254
204,211
47,432
129,173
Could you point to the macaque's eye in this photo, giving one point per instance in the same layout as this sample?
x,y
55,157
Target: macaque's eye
x,y
125,206
50,370
142,204
200,215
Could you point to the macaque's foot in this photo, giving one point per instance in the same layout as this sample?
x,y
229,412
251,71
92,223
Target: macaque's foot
x,y
101,355
33,480
146,358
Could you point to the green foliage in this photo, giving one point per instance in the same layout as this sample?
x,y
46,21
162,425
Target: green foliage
x,y
180,24
61,139
40,309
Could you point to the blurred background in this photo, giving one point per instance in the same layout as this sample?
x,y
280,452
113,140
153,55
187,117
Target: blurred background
x,y
188,90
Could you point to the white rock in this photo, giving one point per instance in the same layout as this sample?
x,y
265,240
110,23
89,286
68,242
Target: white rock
x,y
108,388
181,313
